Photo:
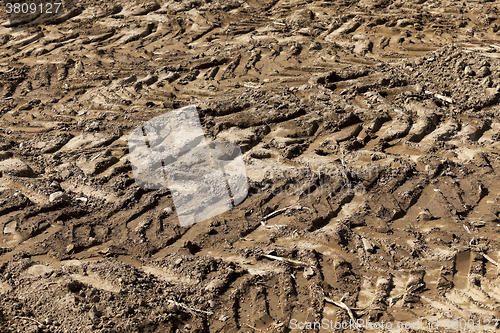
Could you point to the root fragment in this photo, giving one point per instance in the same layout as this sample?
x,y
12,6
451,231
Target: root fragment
x,y
342,305
255,328
279,211
193,311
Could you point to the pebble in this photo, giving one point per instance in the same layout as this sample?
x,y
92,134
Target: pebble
x,y
487,82
468,71
368,245
58,196
418,88
425,215
460,64
308,273
260,154
314,46
70,248
94,314
493,92
172,307
483,71
363,47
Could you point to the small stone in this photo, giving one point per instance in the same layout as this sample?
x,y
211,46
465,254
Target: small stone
x,y
425,215
493,92
368,246
70,248
48,321
460,64
58,196
363,47
214,285
172,307
10,228
418,88
487,82
468,71
223,318
314,46
94,314
260,153
65,174
308,273
483,71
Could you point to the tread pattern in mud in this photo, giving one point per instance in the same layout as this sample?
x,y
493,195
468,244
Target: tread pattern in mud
x,y
370,132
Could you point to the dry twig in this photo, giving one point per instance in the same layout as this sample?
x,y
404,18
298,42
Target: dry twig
x,y
395,299
255,328
191,310
490,260
344,168
27,318
279,211
277,226
291,261
342,305
441,97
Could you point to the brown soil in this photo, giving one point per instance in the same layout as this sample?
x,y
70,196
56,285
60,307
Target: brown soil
x,y
379,118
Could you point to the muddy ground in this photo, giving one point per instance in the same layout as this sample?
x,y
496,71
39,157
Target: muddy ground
x,y
370,132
